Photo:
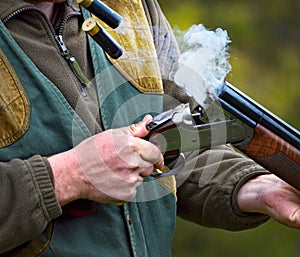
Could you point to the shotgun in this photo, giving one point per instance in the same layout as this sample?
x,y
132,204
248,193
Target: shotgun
x,y
232,117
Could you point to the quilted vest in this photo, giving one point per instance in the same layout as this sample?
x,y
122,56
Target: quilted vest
x,y
38,120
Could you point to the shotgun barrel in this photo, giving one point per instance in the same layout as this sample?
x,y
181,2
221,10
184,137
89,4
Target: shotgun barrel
x,y
246,109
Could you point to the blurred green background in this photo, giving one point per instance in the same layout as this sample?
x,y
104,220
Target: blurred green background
x,y
265,59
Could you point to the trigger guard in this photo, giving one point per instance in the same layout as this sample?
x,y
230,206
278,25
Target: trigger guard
x,y
170,172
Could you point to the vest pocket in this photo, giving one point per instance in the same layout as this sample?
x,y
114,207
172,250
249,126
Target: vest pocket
x,y
14,104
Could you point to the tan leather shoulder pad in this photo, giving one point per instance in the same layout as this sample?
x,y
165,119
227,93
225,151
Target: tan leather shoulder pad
x,y
14,104
139,63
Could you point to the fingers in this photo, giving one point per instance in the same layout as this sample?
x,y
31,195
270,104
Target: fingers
x,y
135,152
148,152
139,129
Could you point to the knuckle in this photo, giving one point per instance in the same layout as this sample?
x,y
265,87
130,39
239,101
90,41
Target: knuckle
x,y
147,171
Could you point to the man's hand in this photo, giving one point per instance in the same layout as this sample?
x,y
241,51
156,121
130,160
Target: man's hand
x,y
107,167
270,195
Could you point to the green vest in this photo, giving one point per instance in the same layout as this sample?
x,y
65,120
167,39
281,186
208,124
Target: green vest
x,y
142,228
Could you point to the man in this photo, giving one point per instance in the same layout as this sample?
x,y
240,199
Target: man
x,y
62,141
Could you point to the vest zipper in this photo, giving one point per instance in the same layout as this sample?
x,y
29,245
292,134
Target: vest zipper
x,y
83,81
73,64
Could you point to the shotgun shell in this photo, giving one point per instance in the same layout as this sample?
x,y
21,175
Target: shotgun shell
x,y
100,35
102,11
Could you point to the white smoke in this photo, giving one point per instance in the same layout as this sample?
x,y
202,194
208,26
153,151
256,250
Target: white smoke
x,y
203,64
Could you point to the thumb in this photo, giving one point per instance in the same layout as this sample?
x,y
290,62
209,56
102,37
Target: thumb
x,y
139,129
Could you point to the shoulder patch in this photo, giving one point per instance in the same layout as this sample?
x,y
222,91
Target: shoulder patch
x,y
14,104
139,63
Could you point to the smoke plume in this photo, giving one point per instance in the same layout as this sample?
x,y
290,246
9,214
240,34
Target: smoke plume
x,y
203,64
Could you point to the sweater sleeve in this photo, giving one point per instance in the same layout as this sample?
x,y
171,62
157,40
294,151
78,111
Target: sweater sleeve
x,y
28,201
208,189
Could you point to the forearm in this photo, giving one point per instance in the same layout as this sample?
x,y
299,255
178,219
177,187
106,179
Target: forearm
x,y
28,202
208,195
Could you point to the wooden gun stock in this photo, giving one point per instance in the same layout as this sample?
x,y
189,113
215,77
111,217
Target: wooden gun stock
x,y
275,154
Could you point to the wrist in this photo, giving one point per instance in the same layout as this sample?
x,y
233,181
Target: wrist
x,y
66,177
250,197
